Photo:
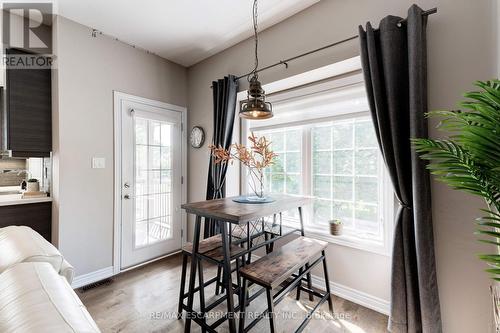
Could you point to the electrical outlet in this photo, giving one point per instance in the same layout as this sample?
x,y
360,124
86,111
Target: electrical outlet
x,y
98,162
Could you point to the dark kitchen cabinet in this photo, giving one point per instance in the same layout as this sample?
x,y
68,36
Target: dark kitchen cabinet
x,y
38,216
28,111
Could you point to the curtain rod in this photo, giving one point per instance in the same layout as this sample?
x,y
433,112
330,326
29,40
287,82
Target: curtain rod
x,y
286,61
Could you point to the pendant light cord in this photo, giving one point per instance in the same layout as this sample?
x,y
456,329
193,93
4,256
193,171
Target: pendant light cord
x,y
256,39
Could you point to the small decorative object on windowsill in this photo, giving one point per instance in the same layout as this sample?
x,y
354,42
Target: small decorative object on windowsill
x,y
336,227
256,158
33,185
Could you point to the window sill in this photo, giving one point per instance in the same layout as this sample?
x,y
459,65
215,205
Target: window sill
x,y
345,240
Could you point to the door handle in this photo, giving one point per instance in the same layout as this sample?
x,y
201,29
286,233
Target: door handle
x,y
126,185
126,196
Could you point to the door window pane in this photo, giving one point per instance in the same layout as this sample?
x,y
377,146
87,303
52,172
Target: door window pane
x,y
153,181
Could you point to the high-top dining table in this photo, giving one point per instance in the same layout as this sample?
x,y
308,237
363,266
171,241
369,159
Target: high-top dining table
x,y
229,213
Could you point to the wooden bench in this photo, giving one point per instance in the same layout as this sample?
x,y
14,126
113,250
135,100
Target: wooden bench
x,y
292,261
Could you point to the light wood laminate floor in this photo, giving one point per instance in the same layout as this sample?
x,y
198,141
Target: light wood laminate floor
x,y
145,300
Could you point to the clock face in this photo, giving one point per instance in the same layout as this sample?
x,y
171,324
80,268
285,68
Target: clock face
x,y
197,137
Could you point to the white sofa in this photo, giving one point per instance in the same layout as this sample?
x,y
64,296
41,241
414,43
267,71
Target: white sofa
x,y
23,244
35,291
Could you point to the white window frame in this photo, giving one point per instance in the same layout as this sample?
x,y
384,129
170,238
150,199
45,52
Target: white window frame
x,y
386,193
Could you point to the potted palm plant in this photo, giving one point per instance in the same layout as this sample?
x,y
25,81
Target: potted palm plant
x,y
469,160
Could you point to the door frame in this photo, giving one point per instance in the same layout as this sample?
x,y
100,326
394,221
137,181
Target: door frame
x,y
118,97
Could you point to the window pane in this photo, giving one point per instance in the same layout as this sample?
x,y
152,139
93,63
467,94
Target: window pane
x,y
321,186
342,162
154,157
293,184
342,188
165,135
278,183
141,131
322,162
367,189
321,137
154,133
342,135
292,162
141,157
277,141
366,215
293,140
365,134
322,210
279,165
343,211
367,162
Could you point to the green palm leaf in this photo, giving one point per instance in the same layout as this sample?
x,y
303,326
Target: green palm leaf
x,y
469,159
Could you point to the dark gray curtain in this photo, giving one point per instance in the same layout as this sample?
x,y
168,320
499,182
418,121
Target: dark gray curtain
x,y
224,101
395,71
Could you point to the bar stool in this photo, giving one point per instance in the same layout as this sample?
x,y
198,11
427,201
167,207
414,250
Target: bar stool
x,y
211,250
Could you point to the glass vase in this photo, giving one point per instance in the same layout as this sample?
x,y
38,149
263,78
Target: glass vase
x,y
256,184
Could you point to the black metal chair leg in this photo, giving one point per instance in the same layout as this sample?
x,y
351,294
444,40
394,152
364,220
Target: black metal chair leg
x,y
309,284
218,282
183,285
201,283
327,282
243,306
192,274
270,310
298,286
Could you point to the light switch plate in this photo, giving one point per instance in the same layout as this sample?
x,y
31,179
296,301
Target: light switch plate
x,y
98,162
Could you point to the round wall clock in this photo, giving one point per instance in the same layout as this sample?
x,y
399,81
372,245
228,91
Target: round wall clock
x,y
197,137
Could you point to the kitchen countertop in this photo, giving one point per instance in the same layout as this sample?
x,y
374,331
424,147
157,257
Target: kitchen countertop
x,y
16,199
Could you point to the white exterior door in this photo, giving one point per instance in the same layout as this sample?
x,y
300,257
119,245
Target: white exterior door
x,y
151,170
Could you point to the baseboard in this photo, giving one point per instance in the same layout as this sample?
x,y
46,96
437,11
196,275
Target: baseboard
x,y
85,279
353,295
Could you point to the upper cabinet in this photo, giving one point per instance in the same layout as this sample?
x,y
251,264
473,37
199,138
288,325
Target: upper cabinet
x,y
27,111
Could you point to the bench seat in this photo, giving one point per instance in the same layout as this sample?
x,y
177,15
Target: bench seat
x,y
273,269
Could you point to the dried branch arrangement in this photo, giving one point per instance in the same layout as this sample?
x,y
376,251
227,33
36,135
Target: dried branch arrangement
x,y
256,158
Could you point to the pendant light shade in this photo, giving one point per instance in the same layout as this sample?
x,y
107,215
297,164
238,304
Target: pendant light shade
x,y
255,106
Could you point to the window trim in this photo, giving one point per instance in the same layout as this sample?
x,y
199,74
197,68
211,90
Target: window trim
x,y
387,209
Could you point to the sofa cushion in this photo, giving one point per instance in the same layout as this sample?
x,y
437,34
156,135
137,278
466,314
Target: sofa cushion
x,y
34,298
23,244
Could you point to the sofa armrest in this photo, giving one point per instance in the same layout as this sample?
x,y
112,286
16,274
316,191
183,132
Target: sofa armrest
x,y
67,271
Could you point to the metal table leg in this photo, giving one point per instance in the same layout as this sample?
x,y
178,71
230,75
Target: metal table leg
x,y
228,283
192,274
309,280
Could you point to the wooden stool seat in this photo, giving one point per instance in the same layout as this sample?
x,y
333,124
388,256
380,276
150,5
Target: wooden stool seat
x,y
273,269
212,248
206,245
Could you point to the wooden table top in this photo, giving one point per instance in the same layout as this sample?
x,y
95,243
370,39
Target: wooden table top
x,y
227,210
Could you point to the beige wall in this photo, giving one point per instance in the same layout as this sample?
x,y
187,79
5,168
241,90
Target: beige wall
x,y
87,71
461,49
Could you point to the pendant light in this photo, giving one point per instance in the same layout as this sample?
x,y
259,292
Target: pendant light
x,y
255,106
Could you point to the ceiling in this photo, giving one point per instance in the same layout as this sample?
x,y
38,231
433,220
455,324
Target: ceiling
x,y
183,31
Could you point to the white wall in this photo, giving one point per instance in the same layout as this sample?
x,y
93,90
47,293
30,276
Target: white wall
x,y
461,43
87,71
